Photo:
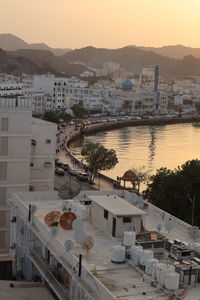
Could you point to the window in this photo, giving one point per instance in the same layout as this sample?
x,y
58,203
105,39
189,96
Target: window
x,y
4,124
3,196
3,171
3,146
48,141
126,219
31,164
105,214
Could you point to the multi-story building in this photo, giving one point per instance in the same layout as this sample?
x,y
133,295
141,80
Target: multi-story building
x,y
17,132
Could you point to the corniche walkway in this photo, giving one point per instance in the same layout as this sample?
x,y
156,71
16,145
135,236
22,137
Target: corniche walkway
x,y
65,157
102,182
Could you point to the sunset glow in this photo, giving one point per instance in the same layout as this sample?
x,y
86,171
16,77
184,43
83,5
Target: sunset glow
x,y
102,23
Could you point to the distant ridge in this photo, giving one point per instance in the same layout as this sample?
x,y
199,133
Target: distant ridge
x,y
11,42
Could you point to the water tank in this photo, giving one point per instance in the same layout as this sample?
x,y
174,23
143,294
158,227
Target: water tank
x,y
172,281
135,254
156,268
149,265
129,238
166,269
118,254
148,255
82,212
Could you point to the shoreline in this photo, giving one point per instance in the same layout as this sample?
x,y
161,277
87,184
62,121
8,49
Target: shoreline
x,y
99,127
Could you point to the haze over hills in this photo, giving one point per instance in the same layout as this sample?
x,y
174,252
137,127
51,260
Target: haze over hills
x,y
131,58
12,43
174,51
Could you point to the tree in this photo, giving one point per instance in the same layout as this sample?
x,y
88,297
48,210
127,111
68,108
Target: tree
x,y
140,176
56,116
197,106
78,111
98,158
176,191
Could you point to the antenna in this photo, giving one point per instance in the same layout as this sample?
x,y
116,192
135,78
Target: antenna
x,y
194,232
159,227
79,233
66,220
52,218
169,224
88,243
54,230
69,245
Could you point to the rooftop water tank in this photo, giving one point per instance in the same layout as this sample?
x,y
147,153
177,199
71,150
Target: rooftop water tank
x,y
135,254
149,265
118,254
164,272
82,212
155,272
172,281
129,238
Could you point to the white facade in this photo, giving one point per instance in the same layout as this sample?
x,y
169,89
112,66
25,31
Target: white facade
x,y
17,130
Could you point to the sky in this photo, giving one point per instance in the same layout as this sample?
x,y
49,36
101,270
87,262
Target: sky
x,y
102,23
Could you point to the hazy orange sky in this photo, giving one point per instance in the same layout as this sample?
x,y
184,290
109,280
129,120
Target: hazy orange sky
x,y
102,23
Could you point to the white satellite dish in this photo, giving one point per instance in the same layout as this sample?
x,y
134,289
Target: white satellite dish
x,y
54,230
79,233
159,227
169,224
194,232
68,245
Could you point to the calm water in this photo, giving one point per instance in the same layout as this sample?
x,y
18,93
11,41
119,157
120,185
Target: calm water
x,y
150,146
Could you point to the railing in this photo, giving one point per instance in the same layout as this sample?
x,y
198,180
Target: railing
x,y
60,291
15,102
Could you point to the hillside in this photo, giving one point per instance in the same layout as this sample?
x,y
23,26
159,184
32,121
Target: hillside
x,y
176,51
133,59
10,42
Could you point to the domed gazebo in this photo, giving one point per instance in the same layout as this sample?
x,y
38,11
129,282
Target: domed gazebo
x,y
128,176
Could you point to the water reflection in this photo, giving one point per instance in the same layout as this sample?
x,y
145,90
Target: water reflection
x,y
150,146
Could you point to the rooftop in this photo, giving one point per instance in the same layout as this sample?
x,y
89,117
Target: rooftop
x,y
116,205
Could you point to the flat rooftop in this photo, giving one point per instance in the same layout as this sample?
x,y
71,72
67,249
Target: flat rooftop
x,y
124,281
116,205
23,290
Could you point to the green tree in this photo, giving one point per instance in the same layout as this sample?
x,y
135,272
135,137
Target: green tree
x,y
176,191
78,111
140,176
56,116
98,158
197,106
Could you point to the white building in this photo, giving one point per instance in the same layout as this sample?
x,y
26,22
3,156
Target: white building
x,y
74,269
17,130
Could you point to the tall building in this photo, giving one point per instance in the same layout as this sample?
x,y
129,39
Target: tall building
x,y
27,152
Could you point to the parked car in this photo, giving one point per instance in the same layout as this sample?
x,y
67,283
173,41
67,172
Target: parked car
x,y
83,176
59,171
65,167
59,164
72,172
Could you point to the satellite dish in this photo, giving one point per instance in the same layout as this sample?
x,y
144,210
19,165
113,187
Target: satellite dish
x,y
88,243
159,227
169,224
52,218
69,190
66,220
194,232
54,230
33,209
68,245
79,234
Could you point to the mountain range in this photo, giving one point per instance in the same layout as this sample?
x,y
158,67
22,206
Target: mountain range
x,y
12,43
20,57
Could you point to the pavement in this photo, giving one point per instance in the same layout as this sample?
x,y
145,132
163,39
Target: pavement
x,y
99,182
